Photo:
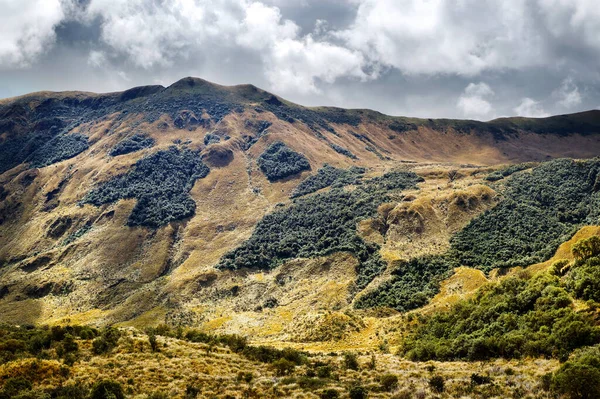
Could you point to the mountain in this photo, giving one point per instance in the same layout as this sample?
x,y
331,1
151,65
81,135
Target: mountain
x,y
268,249
236,210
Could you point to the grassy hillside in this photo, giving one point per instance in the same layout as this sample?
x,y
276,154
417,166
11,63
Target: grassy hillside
x,y
77,363
233,209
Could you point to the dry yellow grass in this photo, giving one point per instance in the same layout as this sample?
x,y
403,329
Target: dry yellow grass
x,y
217,372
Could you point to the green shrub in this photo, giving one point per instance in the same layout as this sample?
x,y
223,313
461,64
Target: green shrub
x,y
344,151
437,383
107,340
210,138
328,176
509,170
515,317
58,149
579,378
329,394
15,385
131,144
351,361
152,341
412,284
279,161
389,382
478,379
160,183
324,371
72,391
107,389
358,392
283,367
586,248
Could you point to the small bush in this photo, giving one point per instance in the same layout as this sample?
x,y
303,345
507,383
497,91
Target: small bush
x,y
579,378
107,389
153,341
329,394
106,341
324,371
211,138
389,382
15,385
358,392
344,151
74,391
437,383
351,361
283,367
478,379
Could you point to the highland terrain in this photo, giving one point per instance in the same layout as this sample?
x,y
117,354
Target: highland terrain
x,y
208,241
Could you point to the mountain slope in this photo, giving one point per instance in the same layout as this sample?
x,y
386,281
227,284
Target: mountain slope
x,y
118,207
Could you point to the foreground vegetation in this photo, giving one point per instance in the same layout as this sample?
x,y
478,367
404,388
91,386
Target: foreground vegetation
x,y
77,362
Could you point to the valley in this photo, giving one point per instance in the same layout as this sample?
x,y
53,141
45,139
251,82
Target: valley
x,y
195,213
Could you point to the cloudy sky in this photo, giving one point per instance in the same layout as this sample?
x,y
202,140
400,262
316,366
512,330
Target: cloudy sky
x,y
476,59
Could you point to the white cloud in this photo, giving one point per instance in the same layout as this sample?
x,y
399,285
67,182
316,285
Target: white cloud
x,y
473,103
530,108
460,36
27,29
297,64
97,59
445,36
155,34
568,94
416,37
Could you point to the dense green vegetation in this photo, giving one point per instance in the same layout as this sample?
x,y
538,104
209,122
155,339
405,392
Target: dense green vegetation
x,y
328,176
28,341
539,211
412,284
15,150
583,276
509,170
131,144
160,183
579,377
58,149
519,315
318,225
344,151
278,161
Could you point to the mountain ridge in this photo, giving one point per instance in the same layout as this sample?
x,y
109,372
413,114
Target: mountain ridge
x,y
191,82
146,249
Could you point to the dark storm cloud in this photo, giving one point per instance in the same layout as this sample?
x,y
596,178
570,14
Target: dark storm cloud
x,y
441,58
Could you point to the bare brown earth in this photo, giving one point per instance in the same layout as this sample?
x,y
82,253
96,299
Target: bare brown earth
x,y
135,276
